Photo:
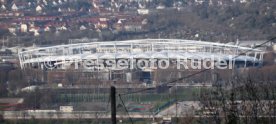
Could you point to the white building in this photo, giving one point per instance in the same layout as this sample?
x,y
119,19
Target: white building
x,y
143,11
82,27
160,7
14,7
12,30
243,1
35,30
3,7
54,3
38,8
62,28
66,108
24,28
60,2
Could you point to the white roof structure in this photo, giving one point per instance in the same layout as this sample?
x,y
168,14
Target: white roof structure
x,y
139,49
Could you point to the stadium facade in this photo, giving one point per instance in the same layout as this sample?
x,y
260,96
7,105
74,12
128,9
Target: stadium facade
x,y
65,56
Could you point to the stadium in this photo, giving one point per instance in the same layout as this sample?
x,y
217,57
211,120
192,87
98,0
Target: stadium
x,y
58,57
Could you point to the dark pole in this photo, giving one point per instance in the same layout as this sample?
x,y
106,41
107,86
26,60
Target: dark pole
x,y
113,104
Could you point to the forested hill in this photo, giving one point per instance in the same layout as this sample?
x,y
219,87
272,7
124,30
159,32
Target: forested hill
x,y
224,23
256,19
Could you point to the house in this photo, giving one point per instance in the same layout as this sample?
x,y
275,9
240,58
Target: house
x,y
102,24
145,21
3,7
23,28
62,28
60,2
133,26
120,21
141,6
38,8
243,1
199,1
54,3
160,7
103,19
118,26
66,108
47,28
82,27
12,30
29,4
35,30
143,11
45,2
14,7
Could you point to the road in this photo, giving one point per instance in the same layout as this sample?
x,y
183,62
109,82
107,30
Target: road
x,y
186,106
67,115
183,109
